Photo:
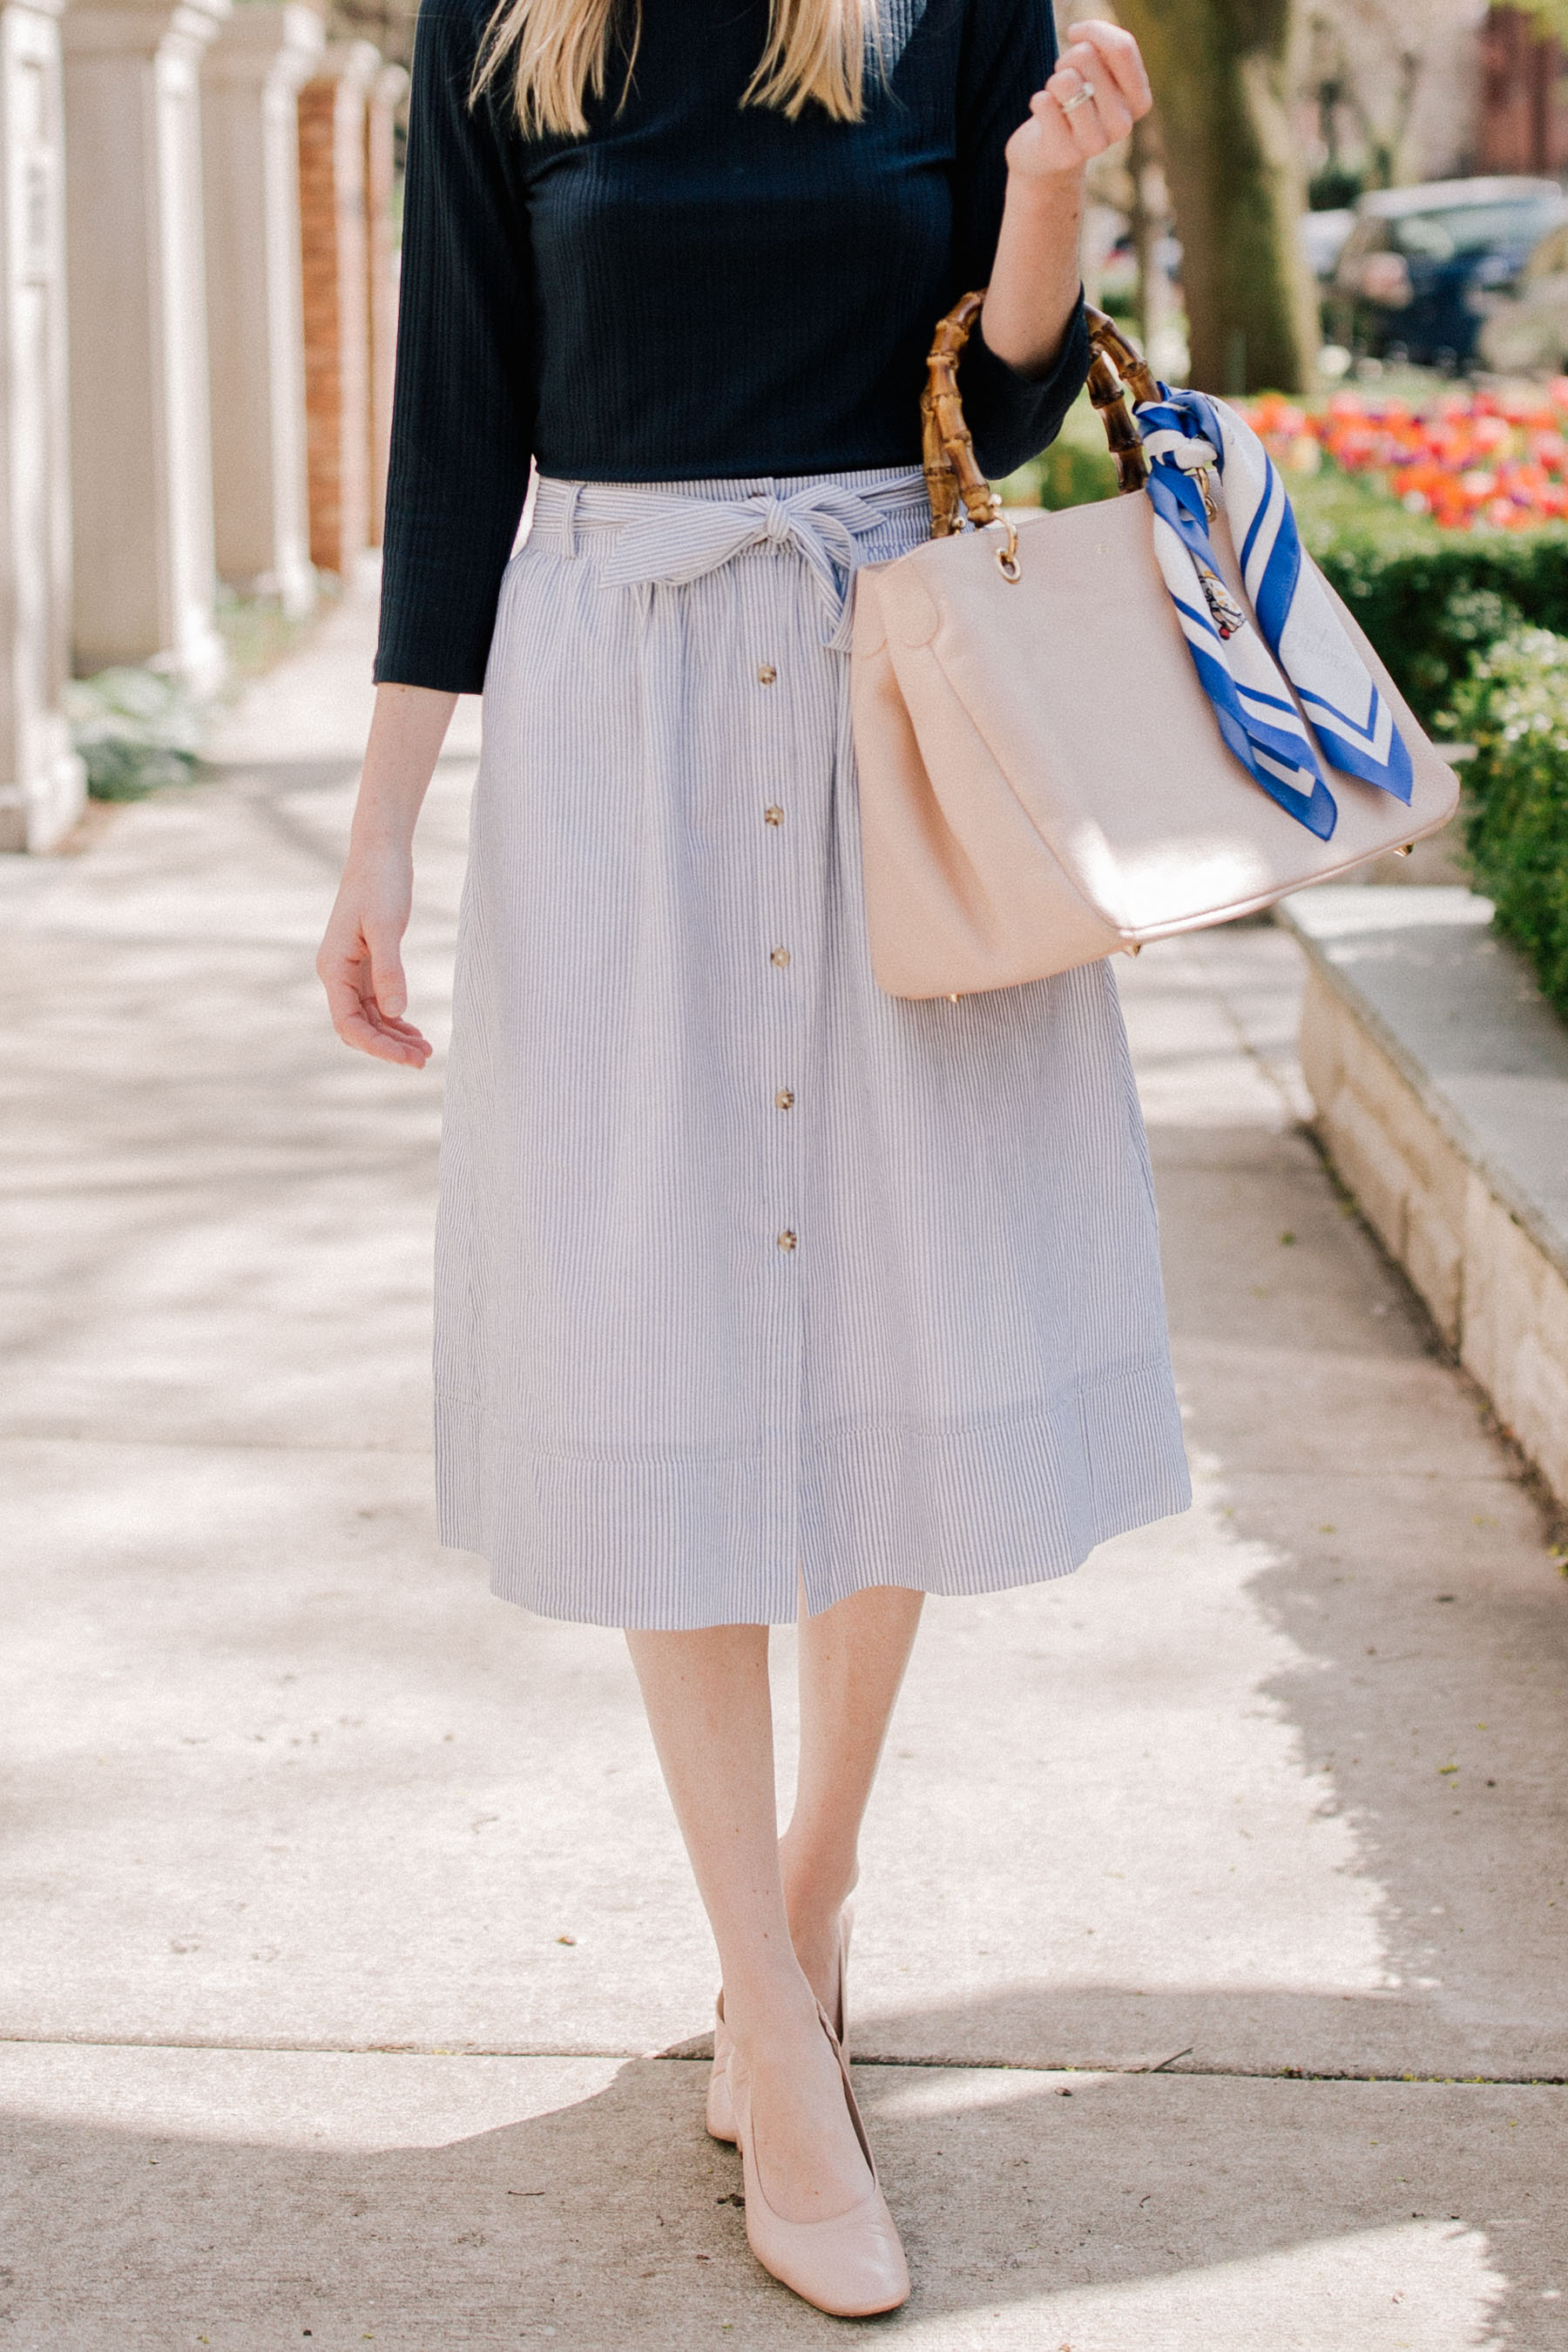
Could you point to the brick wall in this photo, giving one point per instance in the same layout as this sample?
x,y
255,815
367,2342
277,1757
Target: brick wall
x,y
1496,1297
381,314
1524,96
337,326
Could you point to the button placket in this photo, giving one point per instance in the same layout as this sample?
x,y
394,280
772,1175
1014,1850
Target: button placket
x,y
770,786
780,870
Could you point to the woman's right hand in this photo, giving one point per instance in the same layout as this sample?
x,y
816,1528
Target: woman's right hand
x,y
361,961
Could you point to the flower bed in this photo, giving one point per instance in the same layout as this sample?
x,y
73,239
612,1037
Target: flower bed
x,y
1436,552
1493,460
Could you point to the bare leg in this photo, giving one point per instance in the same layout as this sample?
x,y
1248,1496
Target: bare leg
x,y
852,1661
711,1717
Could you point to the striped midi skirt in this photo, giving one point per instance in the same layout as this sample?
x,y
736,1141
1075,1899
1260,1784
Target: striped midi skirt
x,y
752,1281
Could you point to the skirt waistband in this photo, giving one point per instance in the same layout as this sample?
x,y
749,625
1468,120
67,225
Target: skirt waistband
x,y
672,534
562,507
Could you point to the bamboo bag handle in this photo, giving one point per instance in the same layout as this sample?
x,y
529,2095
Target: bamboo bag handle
x,y
951,471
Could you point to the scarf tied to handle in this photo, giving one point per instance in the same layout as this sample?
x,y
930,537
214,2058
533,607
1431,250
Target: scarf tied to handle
x,y
1185,434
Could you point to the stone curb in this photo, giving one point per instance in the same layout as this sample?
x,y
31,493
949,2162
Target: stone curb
x,y
1440,1080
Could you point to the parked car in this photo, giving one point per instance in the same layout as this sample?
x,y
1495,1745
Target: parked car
x,y
1525,331
1423,266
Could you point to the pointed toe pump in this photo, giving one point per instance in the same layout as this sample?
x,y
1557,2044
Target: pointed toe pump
x,y
851,2266
721,2105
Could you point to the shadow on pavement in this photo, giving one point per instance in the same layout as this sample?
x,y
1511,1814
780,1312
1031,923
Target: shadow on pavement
x,y
1114,2214
1408,1565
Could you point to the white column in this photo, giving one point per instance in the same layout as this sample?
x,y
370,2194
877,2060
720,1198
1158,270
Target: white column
x,y
141,428
256,317
41,783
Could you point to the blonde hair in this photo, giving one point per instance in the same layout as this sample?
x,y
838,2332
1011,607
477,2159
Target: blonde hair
x,y
559,52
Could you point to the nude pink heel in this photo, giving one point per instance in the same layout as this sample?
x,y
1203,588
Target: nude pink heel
x,y
721,2105
849,2267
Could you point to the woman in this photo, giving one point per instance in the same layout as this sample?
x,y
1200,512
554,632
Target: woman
x,y
758,1291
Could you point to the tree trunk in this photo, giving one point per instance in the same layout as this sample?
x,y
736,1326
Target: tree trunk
x,y
1145,226
1219,69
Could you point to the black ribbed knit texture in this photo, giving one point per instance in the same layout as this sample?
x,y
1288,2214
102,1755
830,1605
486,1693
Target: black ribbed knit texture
x,y
696,289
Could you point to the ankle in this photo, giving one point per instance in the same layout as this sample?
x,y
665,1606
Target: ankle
x,y
762,2005
816,1890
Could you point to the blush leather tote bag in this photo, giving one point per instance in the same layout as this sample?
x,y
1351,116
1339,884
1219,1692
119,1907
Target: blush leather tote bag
x,y
1072,731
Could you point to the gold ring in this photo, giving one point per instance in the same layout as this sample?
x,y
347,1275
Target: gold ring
x,y
1082,98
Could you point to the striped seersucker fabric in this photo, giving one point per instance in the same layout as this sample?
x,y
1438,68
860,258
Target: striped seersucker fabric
x,y
749,1276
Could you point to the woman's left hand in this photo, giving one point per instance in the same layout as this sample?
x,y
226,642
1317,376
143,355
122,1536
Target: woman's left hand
x,y
1099,90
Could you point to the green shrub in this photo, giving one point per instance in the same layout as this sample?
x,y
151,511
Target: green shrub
x,y
1514,708
1075,471
1430,611
1069,473
135,729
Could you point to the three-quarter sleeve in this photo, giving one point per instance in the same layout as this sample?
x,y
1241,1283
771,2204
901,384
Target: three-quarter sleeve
x,y
462,413
1010,52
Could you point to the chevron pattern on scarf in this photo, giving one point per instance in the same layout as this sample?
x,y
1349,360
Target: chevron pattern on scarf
x,y
1186,434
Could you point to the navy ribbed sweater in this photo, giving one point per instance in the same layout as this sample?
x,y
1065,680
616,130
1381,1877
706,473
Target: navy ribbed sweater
x,y
694,290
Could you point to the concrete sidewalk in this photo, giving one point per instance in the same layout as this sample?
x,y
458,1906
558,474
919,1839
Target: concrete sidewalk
x,y
1212,1947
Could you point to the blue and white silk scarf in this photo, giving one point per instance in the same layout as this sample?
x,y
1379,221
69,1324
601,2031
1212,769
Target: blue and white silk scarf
x,y
1299,632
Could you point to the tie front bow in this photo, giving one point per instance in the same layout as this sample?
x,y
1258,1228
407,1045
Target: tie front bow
x,y
677,540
